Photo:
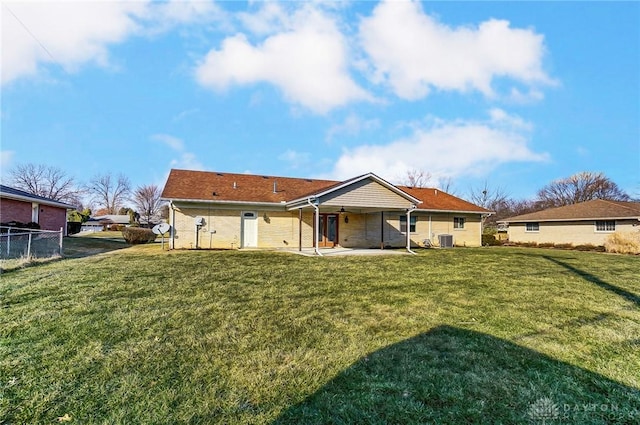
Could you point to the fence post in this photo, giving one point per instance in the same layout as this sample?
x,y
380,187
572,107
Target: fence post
x,y
8,242
61,241
29,247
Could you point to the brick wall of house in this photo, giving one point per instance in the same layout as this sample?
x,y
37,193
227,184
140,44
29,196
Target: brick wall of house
x,y
575,233
276,229
49,217
442,223
52,218
363,230
12,210
226,224
280,229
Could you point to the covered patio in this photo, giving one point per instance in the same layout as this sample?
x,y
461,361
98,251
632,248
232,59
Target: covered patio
x,y
352,214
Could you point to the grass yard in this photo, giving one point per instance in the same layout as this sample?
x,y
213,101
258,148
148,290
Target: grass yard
x,y
488,335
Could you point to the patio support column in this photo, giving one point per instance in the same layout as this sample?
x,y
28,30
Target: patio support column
x,y
409,230
317,224
300,229
381,229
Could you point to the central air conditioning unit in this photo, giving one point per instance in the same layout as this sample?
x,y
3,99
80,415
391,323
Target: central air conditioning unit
x,y
446,241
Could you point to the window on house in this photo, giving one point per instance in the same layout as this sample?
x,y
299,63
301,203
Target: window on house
x,y
458,222
606,226
403,224
533,227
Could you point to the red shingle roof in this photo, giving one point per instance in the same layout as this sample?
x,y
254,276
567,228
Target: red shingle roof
x,y
212,186
589,210
230,187
435,199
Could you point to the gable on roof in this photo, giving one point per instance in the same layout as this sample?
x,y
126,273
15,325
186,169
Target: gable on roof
x,y
365,191
597,209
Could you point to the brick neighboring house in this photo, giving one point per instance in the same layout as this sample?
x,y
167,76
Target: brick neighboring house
x,y
18,205
584,223
227,210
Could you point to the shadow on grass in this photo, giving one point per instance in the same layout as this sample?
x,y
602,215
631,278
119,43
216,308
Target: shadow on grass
x,y
455,376
629,296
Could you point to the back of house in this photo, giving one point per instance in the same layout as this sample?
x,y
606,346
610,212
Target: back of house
x,y
230,211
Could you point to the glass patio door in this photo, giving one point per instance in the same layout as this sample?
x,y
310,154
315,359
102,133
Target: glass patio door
x,y
328,230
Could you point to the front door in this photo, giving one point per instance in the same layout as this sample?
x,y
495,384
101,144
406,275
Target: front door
x,y
328,230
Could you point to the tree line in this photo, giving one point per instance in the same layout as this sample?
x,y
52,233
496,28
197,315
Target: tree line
x,y
580,187
103,193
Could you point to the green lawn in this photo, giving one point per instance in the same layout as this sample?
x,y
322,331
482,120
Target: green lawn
x,y
488,335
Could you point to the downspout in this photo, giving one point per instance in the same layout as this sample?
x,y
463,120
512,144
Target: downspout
x,y
316,226
173,226
483,218
409,229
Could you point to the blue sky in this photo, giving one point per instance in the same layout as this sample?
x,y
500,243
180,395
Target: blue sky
x,y
515,94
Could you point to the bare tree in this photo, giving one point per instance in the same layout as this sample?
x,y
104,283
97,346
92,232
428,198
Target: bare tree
x,y
518,207
580,187
47,181
146,200
446,185
108,192
488,197
416,178
494,199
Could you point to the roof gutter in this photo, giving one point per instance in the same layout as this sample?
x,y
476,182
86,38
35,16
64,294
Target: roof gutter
x,y
542,220
206,201
50,203
454,211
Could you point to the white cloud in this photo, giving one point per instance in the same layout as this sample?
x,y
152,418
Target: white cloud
x,y
500,118
295,159
307,60
445,149
183,160
414,53
352,126
183,114
187,161
6,159
532,95
171,141
70,34
269,19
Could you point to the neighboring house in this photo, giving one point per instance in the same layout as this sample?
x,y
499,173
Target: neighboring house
x,y
584,223
105,222
224,210
19,206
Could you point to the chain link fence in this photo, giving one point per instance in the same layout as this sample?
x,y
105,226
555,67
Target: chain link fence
x,y
29,243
